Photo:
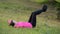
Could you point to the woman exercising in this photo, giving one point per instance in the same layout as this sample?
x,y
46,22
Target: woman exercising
x,y
32,20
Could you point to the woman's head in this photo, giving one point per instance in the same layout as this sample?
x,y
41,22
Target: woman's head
x,y
10,22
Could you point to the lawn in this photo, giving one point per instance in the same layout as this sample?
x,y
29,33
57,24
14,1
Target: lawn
x,y
19,12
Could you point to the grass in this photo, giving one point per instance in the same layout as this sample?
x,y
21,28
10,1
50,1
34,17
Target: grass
x,y
39,1
58,1
17,12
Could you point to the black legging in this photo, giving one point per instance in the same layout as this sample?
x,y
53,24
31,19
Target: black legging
x,y
32,18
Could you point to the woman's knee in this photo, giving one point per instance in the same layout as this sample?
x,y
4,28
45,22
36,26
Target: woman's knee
x,y
34,13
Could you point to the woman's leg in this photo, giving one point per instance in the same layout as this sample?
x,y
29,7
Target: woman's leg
x,y
32,18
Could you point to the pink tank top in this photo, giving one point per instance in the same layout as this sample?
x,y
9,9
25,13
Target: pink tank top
x,y
23,25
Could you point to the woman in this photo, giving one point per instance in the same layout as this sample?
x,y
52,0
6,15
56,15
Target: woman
x,y
32,20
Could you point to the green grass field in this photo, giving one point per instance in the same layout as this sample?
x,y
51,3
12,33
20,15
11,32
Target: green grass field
x,y
17,11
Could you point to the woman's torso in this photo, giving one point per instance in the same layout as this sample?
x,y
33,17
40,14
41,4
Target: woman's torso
x,y
23,25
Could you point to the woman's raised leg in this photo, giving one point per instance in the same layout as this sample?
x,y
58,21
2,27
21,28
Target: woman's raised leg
x,y
32,18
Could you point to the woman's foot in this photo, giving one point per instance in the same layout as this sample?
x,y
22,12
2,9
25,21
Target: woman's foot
x,y
44,8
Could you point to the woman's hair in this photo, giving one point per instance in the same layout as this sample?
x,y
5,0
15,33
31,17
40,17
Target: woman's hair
x,y
12,23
